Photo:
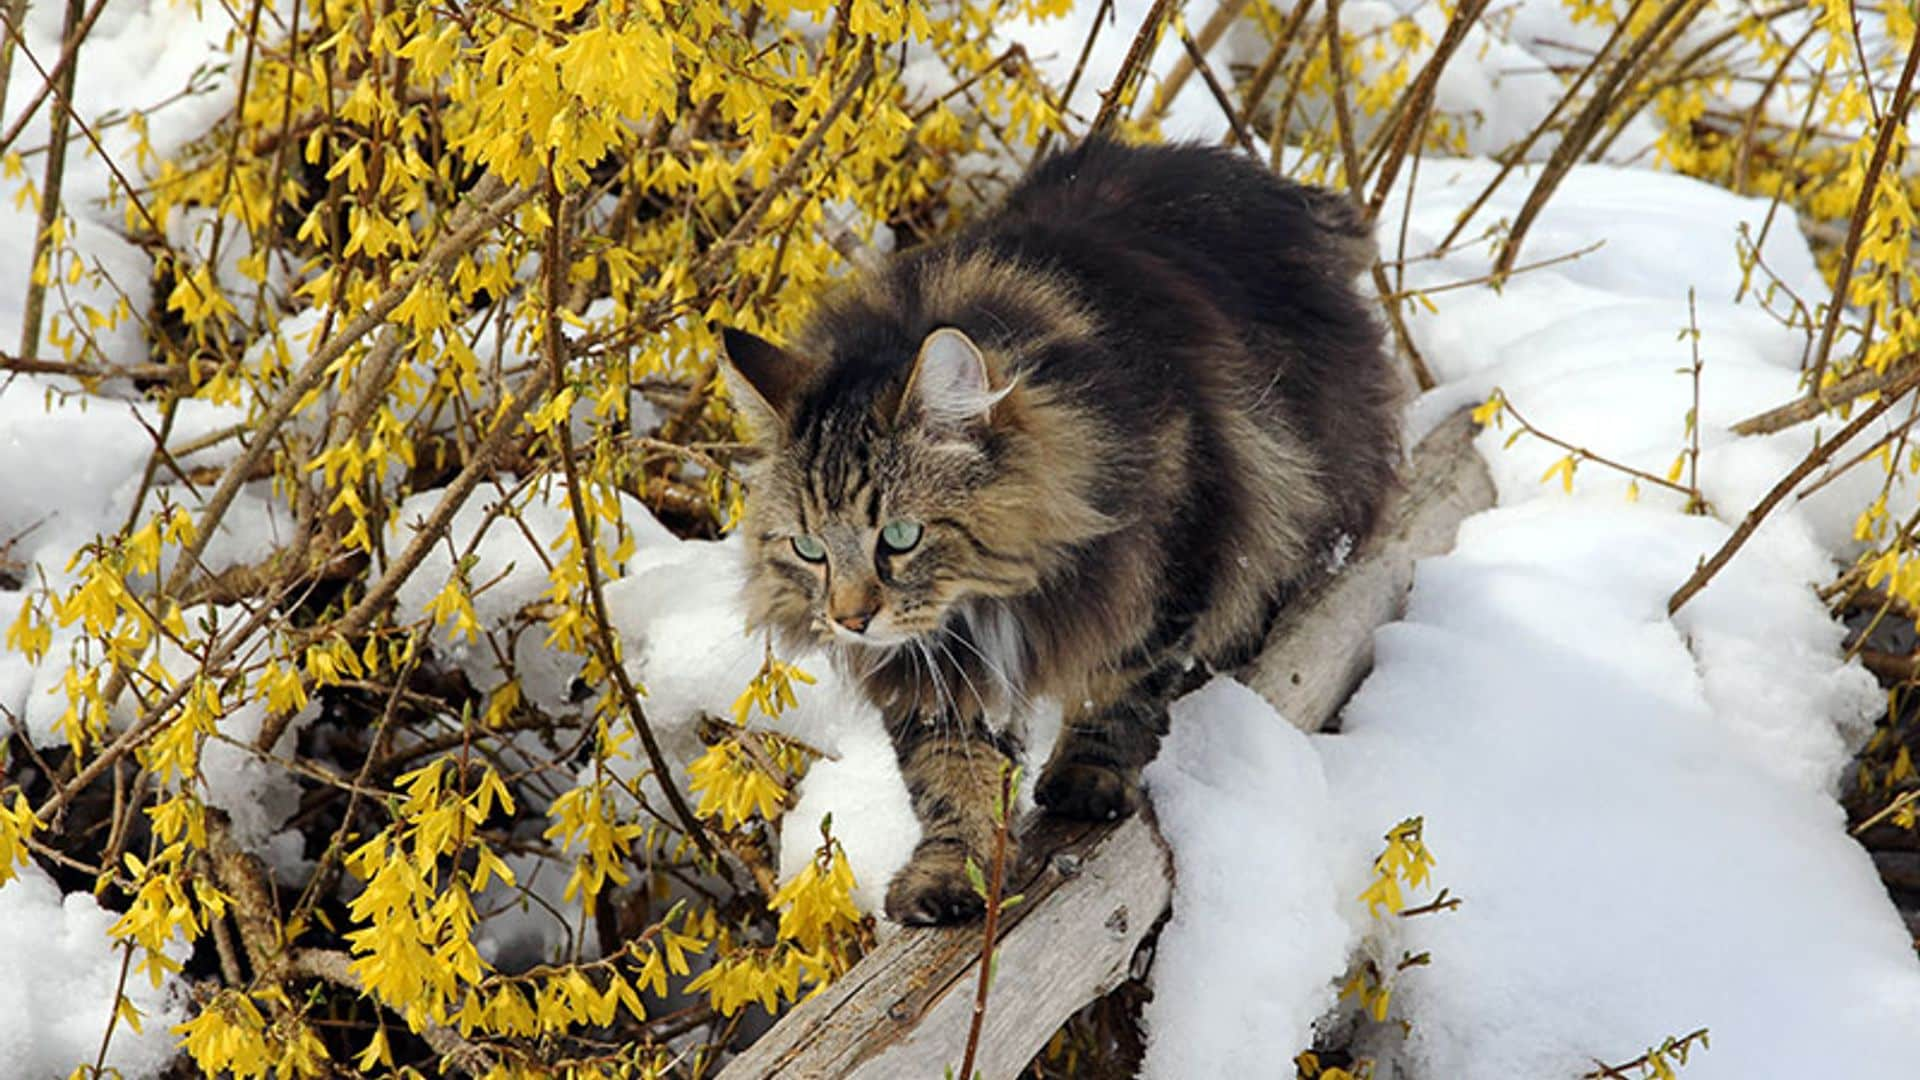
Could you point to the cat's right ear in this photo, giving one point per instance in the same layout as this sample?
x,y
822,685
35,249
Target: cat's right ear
x,y
762,379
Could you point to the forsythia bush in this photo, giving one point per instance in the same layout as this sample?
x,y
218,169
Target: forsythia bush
x,y
589,187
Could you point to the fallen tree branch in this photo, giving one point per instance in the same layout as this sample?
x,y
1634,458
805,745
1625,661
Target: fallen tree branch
x,y
1857,385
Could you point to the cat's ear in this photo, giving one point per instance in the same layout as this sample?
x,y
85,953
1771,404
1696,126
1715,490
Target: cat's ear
x,y
762,378
950,384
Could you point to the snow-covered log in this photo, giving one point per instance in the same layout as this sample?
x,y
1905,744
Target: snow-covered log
x,y
1092,893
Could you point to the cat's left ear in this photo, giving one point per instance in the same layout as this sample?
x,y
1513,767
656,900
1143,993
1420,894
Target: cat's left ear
x,y
762,379
950,385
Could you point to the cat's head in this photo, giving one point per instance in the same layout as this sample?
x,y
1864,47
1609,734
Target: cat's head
x,y
890,490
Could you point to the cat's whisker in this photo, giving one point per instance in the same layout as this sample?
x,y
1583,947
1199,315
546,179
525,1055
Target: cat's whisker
x,y
1006,681
979,699
960,733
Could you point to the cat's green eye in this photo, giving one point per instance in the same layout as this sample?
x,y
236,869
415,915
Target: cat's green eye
x,y
900,535
810,548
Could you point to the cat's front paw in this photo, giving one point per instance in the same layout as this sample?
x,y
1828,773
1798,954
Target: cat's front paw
x,y
1088,792
933,888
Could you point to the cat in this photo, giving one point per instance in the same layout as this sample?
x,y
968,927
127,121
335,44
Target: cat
x,y
1092,439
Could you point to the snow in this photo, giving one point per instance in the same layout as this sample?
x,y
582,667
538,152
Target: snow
x,y
678,610
506,564
139,56
1590,788
1632,807
59,997
1229,769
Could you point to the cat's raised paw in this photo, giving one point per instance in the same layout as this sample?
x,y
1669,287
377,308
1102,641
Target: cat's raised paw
x,y
933,889
1088,792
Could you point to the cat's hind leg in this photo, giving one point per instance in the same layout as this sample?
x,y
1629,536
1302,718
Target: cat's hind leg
x,y
1105,740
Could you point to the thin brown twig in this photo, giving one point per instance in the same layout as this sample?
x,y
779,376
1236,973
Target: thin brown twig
x,y
1185,66
995,882
69,54
1681,1045
14,11
1905,799
1101,15
1581,453
141,730
1263,76
1857,223
464,236
557,257
1443,902
764,201
1119,95
50,204
1342,116
1743,153
1693,412
1489,277
454,1049
1418,101
1511,158
1283,114
1897,433
1235,124
1842,392
1574,141
147,372
1801,135
1707,569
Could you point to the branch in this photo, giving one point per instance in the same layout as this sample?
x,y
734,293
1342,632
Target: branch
x,y
1842,392
328,965
1125,81
1197,47
1238,126
1862,207
556,348
1418,101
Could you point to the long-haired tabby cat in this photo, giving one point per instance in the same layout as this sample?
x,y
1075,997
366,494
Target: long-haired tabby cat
x,y
1092,439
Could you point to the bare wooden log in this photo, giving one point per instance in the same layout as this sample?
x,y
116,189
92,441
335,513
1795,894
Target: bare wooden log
x,y
1091,893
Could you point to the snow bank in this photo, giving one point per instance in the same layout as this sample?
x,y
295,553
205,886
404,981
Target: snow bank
x,y
1631,857
506,540
149,53
679,611
1243,802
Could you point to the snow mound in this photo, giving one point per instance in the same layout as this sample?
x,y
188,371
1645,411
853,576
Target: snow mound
x,y
56,1007
1233,769
1635,861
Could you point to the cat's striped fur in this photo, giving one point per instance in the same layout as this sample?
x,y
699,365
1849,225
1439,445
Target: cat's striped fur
x,y
1163,403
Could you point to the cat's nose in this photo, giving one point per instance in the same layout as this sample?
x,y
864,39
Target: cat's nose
x,y
856,621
